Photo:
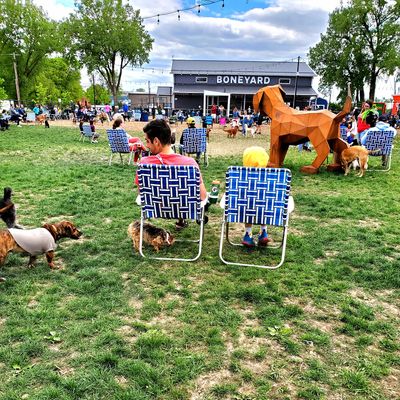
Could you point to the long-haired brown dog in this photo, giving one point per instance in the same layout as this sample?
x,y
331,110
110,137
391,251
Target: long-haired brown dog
x,y
152,235
36,241
7,209
231,131
358,153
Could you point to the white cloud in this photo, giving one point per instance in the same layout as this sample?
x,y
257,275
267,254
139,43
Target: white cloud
x,y
282,30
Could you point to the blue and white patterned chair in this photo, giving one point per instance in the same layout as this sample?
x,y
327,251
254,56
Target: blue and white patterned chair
x,y
343,133
257,196
86,132
383,141
118,142
171,192
195,141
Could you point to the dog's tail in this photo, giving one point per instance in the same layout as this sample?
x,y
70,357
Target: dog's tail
x,y
374,151
346,109
7,193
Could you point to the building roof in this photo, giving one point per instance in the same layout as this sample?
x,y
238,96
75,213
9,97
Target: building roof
x,y
214,67
196,89
164,90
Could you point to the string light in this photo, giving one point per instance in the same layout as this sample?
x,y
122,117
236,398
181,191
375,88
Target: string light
x,y
179,16
158,19
201,3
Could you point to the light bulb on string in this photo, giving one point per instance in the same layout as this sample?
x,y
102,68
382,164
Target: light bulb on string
x,y
223,4
158,19
198,10
179,16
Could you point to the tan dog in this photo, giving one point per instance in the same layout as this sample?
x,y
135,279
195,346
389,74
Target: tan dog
x,y
293,127
354,153
152,235
36,241
41,118
231,131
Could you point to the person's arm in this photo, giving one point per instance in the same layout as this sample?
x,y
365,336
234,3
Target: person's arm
x,y
203,191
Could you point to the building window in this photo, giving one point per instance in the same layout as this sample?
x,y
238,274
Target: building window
x,y
201,79
284,81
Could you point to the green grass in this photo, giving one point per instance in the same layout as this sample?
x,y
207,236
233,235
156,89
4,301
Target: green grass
x,y
111,325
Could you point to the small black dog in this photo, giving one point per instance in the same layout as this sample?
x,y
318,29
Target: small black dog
x,y
46,124
7,209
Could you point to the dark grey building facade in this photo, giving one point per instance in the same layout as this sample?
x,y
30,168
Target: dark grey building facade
x,y
201,83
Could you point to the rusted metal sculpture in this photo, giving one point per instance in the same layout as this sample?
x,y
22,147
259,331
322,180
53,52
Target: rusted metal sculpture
x,y
293,127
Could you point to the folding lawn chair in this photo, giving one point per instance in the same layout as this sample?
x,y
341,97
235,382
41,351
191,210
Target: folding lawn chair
x,y
382,141
171,192
257,196
86,132
119,143
343,133
195,141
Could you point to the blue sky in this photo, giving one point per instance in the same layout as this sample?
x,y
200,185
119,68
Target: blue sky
x,y
242,30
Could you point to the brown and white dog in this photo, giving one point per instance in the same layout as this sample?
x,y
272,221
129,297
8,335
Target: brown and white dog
x,y
231,131
152,235
356,153
36,241
292,127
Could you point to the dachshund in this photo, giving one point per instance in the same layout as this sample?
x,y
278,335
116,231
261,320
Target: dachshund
x,y
152,235
293,127
36,241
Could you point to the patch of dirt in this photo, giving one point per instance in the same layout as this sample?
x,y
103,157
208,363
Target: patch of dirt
x,y
389,309
121,381
135,303
390,385
369,223
205,382
128,333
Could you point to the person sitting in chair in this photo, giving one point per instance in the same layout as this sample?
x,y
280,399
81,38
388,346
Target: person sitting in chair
x,y
158,141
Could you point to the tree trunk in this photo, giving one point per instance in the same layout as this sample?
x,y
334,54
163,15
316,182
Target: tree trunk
x,y
362,94
372,86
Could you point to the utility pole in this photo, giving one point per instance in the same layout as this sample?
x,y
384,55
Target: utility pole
x,y
94,91
148,83
295,82
16,80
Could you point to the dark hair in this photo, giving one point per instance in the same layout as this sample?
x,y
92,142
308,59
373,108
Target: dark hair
x,y
371,119
370,102
117,123
158,128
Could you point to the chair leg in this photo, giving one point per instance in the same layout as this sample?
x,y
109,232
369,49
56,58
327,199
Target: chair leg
x,y
120,156
109,162
130,157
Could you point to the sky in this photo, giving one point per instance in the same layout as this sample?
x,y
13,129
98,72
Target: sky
x,y
243,30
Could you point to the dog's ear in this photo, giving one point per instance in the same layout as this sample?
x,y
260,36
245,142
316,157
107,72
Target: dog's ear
x,y
52,229
7,193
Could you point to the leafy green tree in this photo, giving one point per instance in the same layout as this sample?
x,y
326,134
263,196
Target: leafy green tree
x,y
101,92
107,36
57,80
25,31
3,94
362,42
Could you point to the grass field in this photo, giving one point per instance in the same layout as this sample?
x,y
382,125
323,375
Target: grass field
x,y
111,325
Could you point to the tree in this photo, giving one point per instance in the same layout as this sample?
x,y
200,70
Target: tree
x,y
26,32
362,42
107,36
101,92
57,80
3,94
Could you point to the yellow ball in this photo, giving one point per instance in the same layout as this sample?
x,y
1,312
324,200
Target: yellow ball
x,y
255,156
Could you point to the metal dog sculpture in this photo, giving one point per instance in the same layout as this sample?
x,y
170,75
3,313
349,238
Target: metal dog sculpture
x,y
293,127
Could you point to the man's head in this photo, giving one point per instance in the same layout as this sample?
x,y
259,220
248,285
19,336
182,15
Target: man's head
x,y
371,119
158,135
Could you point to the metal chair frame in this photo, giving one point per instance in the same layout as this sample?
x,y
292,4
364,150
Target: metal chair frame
x,y
258,196
171,192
